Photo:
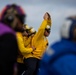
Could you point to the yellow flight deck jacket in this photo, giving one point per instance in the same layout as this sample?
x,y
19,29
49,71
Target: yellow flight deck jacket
x,y
39,41
22,49
27,43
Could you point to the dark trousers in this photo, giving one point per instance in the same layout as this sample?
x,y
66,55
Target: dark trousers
x,y
32,65
21,68
6,69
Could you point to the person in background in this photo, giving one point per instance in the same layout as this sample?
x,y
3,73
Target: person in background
x,y
28,40
22,35
60,58
27,43
23,50
26,36
40,42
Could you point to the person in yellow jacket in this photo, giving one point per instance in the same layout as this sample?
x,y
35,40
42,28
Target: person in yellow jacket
x,y
40,42
24,33
27,38
22,51
28,41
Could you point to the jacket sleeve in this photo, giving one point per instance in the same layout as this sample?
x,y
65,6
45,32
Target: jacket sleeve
x,y
41,30
27,41
22,48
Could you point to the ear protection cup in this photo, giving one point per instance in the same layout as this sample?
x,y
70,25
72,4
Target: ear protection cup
x,y
9,18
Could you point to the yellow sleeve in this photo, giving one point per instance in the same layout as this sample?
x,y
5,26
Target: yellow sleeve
x,y
41,30
22,48
27,41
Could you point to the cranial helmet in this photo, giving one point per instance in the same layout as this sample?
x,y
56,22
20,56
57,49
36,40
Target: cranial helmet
x,y
67,28
10,11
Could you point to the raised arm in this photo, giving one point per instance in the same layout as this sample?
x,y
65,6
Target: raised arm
x,y
40,33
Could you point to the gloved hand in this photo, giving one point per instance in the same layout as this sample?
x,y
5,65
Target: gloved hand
x,y
47,16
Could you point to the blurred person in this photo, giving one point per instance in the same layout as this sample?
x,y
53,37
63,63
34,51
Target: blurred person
x,y
60,58
40,42
14,16
10,19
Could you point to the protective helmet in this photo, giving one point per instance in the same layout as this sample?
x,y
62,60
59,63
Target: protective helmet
x,y
66,30
48,28
26,27
32,30
12,10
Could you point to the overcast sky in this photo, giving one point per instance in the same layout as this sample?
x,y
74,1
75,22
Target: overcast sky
x,y
35,9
